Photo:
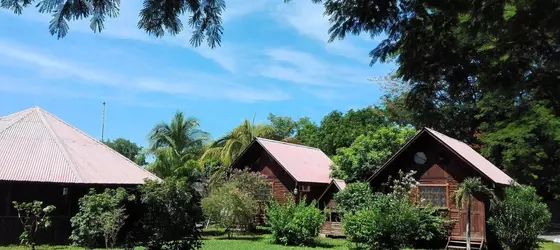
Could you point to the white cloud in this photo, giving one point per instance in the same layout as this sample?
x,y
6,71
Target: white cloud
x,y
304,68
308,19
198,85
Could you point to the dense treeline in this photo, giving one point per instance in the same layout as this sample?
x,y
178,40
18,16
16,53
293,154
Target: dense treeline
x,y
359,141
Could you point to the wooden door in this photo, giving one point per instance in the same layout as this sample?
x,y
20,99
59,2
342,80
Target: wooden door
x,y
478,219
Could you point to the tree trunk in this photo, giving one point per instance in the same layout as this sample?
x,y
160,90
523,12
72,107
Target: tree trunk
x,y
468,229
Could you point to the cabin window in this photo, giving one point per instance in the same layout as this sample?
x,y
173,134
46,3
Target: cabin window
x,y
434,195
333,217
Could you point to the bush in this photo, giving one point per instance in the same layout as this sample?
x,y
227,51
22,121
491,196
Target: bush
x,y
230,207
356,196
99,216
530,214
170,213
392,223
294,224
33,217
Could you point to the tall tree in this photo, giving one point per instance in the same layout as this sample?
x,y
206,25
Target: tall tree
x,y
156,17
368,152
176,146
128,149
474,65
182,135
339,130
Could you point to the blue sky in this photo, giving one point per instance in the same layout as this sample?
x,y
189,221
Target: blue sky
x,y
274,58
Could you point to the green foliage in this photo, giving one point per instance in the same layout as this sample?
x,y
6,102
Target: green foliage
x,y
465,194
99,215
182,135
531,218
155,18
253,183
391,223
33,216
294,224
284,126
369,151
226,149
176,147
526,142
230,207
128,149
338,130
170,212
356,196
111,223
235,201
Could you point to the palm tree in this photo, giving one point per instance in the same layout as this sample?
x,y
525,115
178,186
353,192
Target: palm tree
x,y
168,164
182,135
468,188
175,145
229,147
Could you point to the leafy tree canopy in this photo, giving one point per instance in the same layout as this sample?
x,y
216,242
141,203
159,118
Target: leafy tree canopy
x,y
128,149
369,151
156,17
339,129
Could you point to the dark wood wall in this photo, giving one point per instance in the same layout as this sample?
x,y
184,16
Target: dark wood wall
x,y
282,183
49,194
442,168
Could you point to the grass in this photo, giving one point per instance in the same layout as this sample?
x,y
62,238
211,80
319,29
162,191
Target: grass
x,y
550,246
252,242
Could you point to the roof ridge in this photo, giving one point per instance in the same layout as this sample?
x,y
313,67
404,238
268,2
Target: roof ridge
x,y
59,144
24,114
97,141
288,143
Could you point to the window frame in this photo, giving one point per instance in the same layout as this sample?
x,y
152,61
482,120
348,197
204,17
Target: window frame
x,y
445,185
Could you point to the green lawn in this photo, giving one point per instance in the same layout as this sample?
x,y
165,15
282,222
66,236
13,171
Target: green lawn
x,y
256,242
264,242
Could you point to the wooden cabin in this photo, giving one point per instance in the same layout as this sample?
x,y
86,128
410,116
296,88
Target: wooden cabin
x,y
441,164
294,170
326,202
43,158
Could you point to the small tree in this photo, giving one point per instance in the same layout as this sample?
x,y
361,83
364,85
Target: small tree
x,y
111,223
230,207
33,217
468,188
531,218
294,223
99,215
170,212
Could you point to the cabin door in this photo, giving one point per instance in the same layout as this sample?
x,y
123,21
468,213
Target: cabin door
x,y
478,220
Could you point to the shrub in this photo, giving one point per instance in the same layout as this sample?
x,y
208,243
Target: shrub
x,y
392,223
33,217
530,214
170,213
230,207
99,216
356,196
294,223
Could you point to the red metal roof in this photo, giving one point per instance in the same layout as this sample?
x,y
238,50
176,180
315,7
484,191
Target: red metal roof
x,y
39,147
473,157
304,164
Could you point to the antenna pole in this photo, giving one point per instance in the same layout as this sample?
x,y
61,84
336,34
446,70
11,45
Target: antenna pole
x,y
103,123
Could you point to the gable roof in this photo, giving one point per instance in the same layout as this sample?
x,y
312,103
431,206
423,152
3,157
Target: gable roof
x,y
36,146
463,151
304,164
338,183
